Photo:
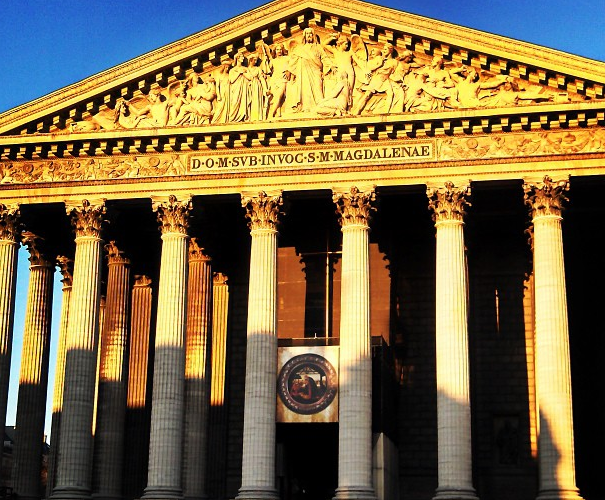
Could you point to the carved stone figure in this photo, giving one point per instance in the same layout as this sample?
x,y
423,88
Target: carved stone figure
x,y
239,95
196,101
279,80
222,107
258,90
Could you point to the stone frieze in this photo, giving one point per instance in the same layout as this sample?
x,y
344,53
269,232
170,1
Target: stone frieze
x,y
242,160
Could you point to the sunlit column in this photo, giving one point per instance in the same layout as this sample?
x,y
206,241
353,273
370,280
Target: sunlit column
x,y
451,342
166,446
258,460
66,267
355,381
74,469
33,377
9,246
199,316
137,420
111,407
553,374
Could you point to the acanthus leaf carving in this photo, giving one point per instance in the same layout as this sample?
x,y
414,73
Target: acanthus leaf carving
x,y
196,252
66,267
115,255
9,222
87,218
39,254
448,202
262,210
355,206
172,213
546,198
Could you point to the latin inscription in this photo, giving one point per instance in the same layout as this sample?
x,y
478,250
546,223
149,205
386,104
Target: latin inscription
x,y
414,152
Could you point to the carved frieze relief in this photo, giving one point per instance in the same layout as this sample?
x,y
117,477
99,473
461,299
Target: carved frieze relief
x,y
318,72
317,156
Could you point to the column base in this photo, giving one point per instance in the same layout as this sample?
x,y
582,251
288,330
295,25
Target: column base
x,y
160,493
257,494
70,493
455,494
104,496
355,493
559,495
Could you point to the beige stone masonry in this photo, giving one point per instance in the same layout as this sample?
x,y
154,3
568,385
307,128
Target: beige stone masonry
x,y
258,460
355,381
33,377
553,374
166,439
113,378
74,470
453,379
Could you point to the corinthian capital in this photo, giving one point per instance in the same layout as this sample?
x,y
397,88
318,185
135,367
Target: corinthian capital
x,y
546,197
37,248
262,210
448,202
173,214
196,252
87,218
66,267
115,255
9,222
355,206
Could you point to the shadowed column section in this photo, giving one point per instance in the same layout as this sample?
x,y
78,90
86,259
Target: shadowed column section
x,y
136,449
217,445
9,245
455,472
553,373
74,469
355,381
113,376
258,460
166,437
66,267
33,377
199,316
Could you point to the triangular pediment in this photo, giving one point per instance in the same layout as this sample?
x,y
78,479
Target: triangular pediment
x,y
313,60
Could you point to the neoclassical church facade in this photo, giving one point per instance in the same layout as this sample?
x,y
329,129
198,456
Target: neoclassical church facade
x,y
321,250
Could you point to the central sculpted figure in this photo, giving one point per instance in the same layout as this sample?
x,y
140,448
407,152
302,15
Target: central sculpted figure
x,y
306,64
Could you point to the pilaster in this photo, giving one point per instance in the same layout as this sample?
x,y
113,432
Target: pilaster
x,y
258,460
452,355
553,374
355,381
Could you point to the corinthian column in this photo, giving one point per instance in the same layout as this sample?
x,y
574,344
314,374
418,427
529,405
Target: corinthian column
x,y
553,374
66,267
111,406
75,448
199,310
453,384
9,245
258,460
33,377
355,380
166,441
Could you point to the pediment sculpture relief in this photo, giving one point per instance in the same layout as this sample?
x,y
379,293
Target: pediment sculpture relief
x,y
308,76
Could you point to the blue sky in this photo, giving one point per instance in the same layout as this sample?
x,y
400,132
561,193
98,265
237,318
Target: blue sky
x,y
48,44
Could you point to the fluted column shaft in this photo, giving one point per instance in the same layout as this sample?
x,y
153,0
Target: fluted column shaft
x,y
113,377
66,266
553,373
199,316
166,441
137,422
258,460
355,381
33,376
9,246
452,354
75,449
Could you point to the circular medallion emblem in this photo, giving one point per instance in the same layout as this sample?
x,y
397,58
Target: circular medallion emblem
x,y
307,384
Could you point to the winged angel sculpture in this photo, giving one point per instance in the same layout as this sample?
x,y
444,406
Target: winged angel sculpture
x,y
305,76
